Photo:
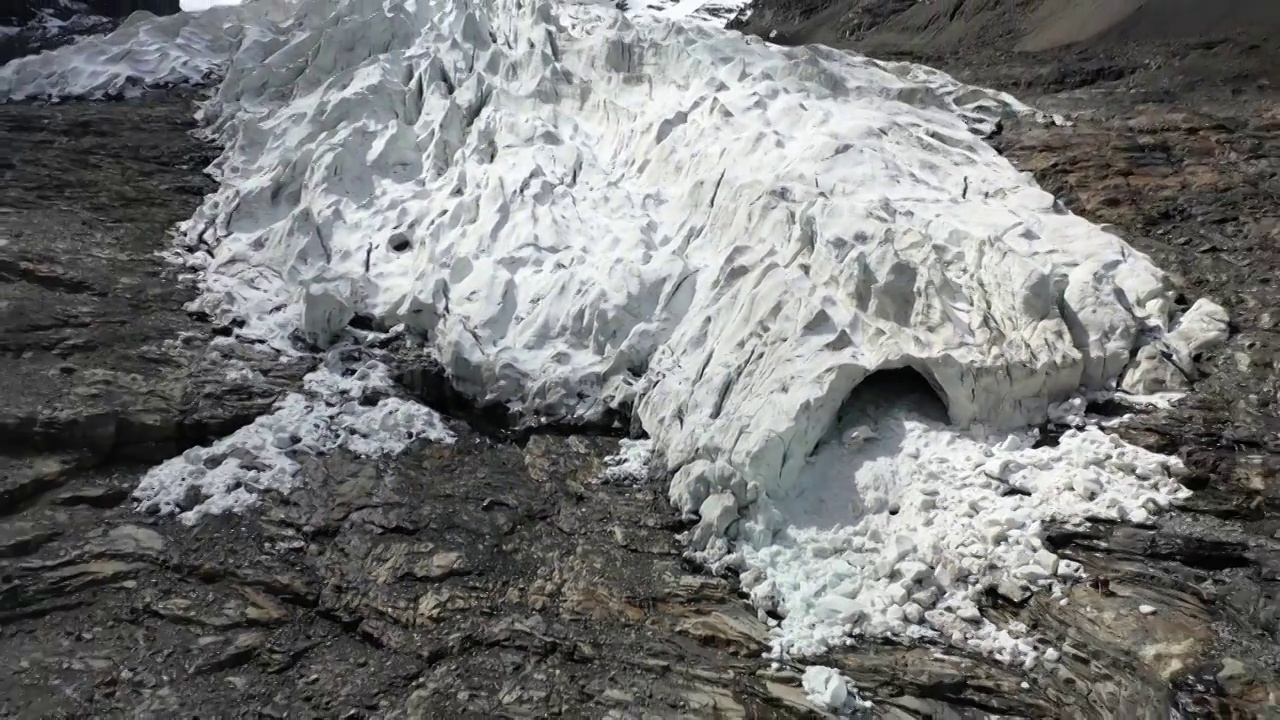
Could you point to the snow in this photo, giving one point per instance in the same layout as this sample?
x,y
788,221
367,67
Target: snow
x,y
583,209
201,5
332,412
630,464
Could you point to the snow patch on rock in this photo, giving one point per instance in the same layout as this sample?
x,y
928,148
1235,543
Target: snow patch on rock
x,y
337,409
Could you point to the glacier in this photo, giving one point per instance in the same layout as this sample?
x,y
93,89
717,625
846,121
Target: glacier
x,y
586,210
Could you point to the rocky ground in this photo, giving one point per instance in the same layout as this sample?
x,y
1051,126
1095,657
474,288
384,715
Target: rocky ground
x,y
495,578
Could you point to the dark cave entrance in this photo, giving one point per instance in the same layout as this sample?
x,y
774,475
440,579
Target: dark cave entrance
x,y
903,385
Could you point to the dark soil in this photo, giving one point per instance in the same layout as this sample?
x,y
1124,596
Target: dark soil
x,y
495,579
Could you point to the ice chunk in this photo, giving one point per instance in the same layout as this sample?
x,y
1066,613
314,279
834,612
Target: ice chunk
x,y
631,463
1205,325
831,690
1152,372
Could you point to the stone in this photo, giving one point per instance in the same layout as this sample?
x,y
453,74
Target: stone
x,y
734,630
241,649
1235,677
97,497
24,538
439,566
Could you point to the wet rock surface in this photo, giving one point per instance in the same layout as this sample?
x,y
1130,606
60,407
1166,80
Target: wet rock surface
x,y
98,360
492,578
1190,178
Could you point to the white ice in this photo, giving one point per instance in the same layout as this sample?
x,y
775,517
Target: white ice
x,y
145,51
581,208
829,689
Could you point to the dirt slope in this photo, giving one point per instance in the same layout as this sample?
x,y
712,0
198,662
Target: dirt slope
x,y
1242,36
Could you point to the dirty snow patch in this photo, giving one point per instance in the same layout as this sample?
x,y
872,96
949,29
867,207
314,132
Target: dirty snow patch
x,y
630,464
337,409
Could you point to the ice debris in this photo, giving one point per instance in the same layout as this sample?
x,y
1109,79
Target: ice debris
x,y
630,464
901,536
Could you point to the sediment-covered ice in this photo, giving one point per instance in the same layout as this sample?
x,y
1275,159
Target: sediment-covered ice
x,y
583,209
